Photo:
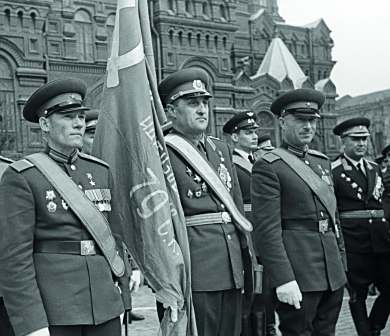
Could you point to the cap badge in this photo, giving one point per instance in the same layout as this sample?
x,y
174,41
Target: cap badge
x,y
308,104
198,84
250,114
251,121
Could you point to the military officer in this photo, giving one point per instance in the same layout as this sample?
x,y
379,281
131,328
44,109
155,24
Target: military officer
x,y
91,119
200,162
358,188
242,128
57,245
5,326
296,231
264,144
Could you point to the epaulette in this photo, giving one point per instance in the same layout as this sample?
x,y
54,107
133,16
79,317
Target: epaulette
x,y
6,160
93,159
21,165
317,153
210,140
270,157
214,138
336,163
371,164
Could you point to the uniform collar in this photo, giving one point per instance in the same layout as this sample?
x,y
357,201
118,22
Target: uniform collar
x,y
300,152
243,153
354,162
60,157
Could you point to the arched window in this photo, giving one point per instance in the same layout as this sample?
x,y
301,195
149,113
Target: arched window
x,y
189,7
224,43
223,12
7,108
180,38
216,42
84,35
198,41
171,43
171,5
110,23
189,37
33,20
207,41
7,21
206,9
20,20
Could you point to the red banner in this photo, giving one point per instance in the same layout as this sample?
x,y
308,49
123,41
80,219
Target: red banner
x,y
129,138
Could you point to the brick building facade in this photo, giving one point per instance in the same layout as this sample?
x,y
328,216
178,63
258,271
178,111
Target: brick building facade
x,y
44,40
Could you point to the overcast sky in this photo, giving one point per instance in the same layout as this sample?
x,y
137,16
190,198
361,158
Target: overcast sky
x,y
361,33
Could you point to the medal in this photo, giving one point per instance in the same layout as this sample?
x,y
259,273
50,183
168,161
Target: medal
x,y
64,205
51,207
50,195
224,175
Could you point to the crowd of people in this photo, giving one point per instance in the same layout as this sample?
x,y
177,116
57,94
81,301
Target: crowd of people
x,y
271,230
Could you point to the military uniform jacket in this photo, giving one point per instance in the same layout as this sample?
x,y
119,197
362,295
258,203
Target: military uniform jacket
x,y
354,191
244,179
216,258
42,289
286,215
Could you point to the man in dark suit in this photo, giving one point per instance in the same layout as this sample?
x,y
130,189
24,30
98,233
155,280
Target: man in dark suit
x,y
296,231
242,128
358,188
5,326
217,267
56,244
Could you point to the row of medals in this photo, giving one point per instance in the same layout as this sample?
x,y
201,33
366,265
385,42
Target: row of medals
x,y
101,198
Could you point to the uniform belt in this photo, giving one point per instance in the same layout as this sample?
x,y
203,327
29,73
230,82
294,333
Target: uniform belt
x,y
359,214
322,226
248,207
209,218
83,247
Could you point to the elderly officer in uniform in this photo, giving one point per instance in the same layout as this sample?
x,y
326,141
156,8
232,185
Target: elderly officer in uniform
x,y
295,227
242,128
5,326
200,162
358,188
57,246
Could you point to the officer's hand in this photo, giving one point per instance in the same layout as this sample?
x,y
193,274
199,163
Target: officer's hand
x,y
135,280
173,311
40,332
290,293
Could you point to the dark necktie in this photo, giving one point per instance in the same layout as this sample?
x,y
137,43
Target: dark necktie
x,y
360,169
251,158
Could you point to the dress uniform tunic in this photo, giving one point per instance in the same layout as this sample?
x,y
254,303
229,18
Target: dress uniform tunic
x,y
5,326
367,237
55,288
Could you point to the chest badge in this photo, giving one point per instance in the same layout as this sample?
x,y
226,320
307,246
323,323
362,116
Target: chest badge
x,y
91,181
224,175
51,206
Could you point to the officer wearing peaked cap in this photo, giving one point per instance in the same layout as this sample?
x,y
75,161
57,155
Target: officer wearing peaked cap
x,y
63,271
242,128
91,119
358,188
215,240
296,232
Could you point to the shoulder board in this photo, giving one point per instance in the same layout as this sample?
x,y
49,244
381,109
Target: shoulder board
x,y
336,163
93,159
214,138
317,153
270,157
21,165
371,162
6,160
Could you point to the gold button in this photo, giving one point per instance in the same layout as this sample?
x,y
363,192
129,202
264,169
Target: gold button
x,y
383,219
222,206
80,186
229,237
370,220
73,167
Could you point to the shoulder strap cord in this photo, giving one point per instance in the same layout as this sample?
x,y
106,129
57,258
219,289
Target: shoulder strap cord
x,y
96,224
320,188
203,168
